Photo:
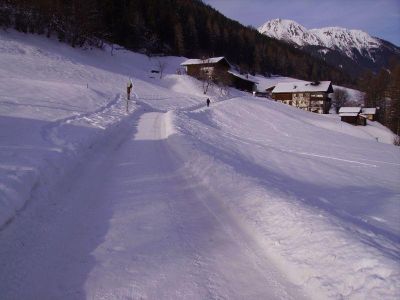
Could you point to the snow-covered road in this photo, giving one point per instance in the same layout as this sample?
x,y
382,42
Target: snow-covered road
x,y
246,199
132,224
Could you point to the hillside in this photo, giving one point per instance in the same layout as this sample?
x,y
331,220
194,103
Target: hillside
x,y
354,50
246,199
170,27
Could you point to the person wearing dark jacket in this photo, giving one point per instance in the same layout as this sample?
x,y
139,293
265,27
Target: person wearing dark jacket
x,y
128,89
208,102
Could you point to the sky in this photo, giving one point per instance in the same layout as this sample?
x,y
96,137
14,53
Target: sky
x,y
380,18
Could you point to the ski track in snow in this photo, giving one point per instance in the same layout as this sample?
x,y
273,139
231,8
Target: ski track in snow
x,y
150,202
175,200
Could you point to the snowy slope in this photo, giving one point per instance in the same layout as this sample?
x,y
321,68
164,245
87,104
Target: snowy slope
x,y
46,87
249,199
319,195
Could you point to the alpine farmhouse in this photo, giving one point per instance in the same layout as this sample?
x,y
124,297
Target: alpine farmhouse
x,y
310,96
218,69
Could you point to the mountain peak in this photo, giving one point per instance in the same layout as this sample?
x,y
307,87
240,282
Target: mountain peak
x,y
335,38
288,30
350,49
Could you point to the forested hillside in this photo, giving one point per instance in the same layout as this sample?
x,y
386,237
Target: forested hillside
x,y
178,27
383,90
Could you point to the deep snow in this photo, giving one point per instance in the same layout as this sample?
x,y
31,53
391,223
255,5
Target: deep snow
x,y
246,199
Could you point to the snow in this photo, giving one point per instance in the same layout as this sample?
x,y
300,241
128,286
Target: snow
x,y
345,40
247,199
349,114
369,110
195,61
244,77
294,87
289,31
355,110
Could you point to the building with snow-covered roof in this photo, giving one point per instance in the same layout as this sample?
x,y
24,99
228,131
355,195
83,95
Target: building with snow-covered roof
x,y
369,113
242,81
206,67
352,115
218,69
310,96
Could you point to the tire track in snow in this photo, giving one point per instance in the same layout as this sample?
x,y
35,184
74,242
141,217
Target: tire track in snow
x,y
50,132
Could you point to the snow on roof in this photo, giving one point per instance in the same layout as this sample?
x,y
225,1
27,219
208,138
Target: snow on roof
x,y
353,109
296,86
348,114
196,61
369,110
234,73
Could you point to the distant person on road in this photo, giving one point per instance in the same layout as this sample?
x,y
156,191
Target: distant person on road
x,y
128,89
208,102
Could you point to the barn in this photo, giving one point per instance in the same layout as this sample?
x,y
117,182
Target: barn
x,y
211,66
218,69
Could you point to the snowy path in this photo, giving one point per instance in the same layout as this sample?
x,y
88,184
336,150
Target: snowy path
x,y
131,224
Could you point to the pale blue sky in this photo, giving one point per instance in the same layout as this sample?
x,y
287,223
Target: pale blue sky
x,y
380,18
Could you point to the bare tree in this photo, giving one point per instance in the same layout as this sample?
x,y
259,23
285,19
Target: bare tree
x,y
340,98
206,76
223,80
396,140
161,64
206,80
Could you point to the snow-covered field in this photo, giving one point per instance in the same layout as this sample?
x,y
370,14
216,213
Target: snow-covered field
x,y
247,199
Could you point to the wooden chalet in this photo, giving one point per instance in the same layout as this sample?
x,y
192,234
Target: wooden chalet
x,y
219,70
352,115
310,96
210,66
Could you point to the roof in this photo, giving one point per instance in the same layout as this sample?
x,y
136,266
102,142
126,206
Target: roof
x,y
299,87
348,114
243,77
369,111
196,61
354,109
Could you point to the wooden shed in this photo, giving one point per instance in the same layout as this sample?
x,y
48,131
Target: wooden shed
x,y
242,82
369,113
352,115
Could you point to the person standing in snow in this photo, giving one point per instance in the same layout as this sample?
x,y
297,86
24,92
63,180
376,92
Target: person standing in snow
x,y
208,102
128,89
128,94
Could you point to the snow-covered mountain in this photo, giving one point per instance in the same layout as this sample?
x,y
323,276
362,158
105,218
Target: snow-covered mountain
x,y
289,31
335,44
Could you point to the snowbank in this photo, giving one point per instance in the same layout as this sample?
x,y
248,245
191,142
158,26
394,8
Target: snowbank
x,y
324,205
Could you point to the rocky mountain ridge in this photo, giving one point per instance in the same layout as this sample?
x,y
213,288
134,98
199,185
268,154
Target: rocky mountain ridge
x,y
354,50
